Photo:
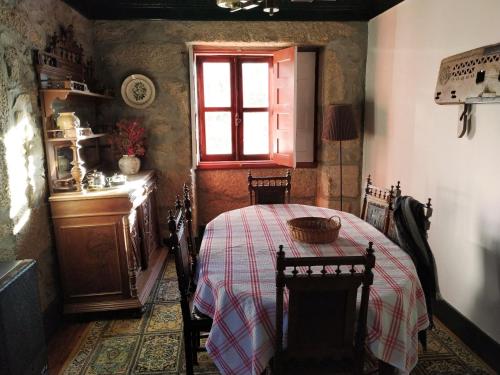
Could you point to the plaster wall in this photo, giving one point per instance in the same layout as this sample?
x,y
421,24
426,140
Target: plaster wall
x,y
24,213
410,138
159,49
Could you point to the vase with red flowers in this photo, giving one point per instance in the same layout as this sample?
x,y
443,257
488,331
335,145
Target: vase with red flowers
x,y
129,139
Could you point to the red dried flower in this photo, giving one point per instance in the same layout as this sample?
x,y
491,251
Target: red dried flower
x,y
129,138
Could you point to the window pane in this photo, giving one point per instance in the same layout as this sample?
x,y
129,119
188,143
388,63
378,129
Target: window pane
x,y
217,84
255,133
218,133
255,85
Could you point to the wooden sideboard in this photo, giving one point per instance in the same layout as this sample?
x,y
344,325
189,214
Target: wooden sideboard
x,y
108,245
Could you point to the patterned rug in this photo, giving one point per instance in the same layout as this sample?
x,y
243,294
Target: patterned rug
x,y
152,344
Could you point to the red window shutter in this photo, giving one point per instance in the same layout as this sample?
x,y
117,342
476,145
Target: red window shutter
x,y
284,105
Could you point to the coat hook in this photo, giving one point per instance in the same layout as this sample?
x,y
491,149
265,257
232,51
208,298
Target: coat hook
x,y
464,118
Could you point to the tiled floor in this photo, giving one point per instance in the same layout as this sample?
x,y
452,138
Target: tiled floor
x,y
152,344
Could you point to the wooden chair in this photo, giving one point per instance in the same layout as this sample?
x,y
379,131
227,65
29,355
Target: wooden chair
x,y
412,220
269,189
185,203
194,322
392,231
322,326
378,206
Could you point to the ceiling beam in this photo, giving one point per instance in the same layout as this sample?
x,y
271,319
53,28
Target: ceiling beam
x,y
319,10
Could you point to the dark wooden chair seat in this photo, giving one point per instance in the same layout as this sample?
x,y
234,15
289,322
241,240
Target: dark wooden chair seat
x,y
195,323
324,325
269,189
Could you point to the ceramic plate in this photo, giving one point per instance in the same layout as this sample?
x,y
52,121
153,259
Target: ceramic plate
x,y
138,91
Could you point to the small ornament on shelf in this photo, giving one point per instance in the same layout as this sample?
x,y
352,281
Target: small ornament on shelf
x,y
55,134
129,139
77,132
67,120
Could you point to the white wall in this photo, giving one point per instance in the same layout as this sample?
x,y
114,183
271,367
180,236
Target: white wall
x,y
410,138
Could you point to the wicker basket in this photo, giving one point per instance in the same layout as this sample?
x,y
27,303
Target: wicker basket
x,y
315,229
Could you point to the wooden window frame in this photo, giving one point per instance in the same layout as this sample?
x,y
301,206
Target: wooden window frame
x,y
237,110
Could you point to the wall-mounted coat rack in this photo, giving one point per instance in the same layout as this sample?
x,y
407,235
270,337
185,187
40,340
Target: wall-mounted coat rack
x,y
468,78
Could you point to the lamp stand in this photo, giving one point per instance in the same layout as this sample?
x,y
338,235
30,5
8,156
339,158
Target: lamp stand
x,y
341,175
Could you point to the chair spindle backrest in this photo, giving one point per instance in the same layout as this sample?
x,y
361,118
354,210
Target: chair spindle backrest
x,y
183,208
269,189
378,205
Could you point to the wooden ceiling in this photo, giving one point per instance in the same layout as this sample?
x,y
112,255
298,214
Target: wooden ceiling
x,y
290,10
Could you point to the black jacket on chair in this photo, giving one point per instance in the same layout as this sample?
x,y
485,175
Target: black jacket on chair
x,y
412,223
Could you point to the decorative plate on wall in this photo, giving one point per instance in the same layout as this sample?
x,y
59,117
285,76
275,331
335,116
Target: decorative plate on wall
x,y
138,91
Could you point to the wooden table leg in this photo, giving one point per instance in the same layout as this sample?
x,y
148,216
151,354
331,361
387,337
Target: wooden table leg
x,y
386,369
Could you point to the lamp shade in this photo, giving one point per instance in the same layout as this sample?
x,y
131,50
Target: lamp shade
x,y
338,123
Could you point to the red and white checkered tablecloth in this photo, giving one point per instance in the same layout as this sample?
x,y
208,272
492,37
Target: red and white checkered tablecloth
x,y
236,286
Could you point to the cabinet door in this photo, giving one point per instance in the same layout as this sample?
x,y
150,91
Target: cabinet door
x,y
91,257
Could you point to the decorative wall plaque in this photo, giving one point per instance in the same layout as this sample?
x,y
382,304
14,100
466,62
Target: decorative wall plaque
x,y
138,91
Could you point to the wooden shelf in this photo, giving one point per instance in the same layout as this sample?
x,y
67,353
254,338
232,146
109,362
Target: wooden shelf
x,y
82,138
49,95
63,93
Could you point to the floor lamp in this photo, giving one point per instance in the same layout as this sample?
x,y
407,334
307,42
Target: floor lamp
x,y
339,125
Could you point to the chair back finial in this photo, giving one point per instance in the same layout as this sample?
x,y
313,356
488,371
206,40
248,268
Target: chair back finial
x,y
398,189
428,209
367,192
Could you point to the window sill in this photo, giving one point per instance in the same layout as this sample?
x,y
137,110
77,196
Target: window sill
x,y
245,164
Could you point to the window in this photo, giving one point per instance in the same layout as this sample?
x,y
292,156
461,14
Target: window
x,y
233,107
246,107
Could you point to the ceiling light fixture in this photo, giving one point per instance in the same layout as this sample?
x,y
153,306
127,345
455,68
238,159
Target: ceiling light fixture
x,y
271,6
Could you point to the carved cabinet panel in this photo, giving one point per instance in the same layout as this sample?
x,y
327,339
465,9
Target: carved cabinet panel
x,y
148,224
91,248
135,256
107,245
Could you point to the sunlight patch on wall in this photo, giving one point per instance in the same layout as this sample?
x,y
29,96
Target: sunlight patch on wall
x,y
20,168
21,222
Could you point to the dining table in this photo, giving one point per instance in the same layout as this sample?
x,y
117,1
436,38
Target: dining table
x,y
236,285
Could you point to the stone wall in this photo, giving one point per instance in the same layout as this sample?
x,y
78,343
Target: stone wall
x,y
25,230
216,195
159,49
342,64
